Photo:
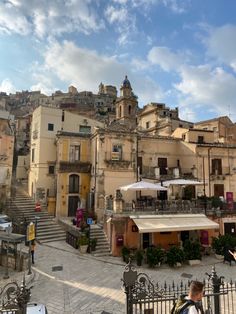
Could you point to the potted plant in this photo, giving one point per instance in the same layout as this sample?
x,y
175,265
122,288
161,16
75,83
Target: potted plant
x,y
93,244
175,256
83,243
222,244
139,257
155,256
192,252
125,251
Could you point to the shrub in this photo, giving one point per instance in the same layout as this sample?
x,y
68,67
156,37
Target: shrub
x,y
83,240
139,257
223,243
192,250
93,244
175,255
155,256
125,251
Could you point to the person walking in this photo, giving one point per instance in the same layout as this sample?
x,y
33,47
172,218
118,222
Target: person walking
x,y
33,244
190,304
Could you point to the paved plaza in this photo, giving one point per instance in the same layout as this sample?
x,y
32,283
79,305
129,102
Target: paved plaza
x,y
69,282
92,285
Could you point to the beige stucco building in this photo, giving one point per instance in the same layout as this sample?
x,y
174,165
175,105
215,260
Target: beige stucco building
x,y
48,125
156,118
6,154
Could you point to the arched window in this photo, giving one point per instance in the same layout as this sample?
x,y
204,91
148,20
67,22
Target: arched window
x,y
120,111
130,109
73,183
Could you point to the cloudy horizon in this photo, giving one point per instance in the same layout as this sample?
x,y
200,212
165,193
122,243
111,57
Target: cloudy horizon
x,y
181,53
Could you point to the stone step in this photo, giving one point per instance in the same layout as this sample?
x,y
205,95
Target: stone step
x,y
50,238
43,233
53,239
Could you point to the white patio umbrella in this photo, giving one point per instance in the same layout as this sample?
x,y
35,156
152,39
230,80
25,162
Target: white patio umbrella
x,y
181,182
143,185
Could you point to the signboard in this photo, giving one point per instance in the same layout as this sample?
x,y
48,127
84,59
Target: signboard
x,y
31,232
89,221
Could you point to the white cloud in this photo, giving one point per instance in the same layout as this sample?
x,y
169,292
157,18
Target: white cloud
x,y
85,69
48,17
163,57
209,89
7,86
222,45
123,20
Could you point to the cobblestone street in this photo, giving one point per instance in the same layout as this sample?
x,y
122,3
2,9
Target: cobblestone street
x,y
92,285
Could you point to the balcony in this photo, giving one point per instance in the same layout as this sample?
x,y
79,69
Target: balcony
x,y
171,173
74,166
168,207
117,160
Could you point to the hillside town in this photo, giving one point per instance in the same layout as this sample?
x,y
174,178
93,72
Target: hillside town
x,y
137,178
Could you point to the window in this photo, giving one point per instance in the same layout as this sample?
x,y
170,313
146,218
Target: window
x,y
129,109
200,139
50,127
162,164
85,129
74,183
63,116
32,156
74,153
51,169
140,164
147,125
116,152
216,165
120,111
181,125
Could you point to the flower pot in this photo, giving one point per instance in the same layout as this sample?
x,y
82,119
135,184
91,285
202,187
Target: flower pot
x,y
193,262
220,257
83,249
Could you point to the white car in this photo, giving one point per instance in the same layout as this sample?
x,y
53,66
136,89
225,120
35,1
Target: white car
x,y
5,222
35,308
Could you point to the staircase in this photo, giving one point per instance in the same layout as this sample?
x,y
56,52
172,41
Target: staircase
x,y
22,209
102,247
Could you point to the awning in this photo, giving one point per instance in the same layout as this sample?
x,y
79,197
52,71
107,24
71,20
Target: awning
x,y
165,223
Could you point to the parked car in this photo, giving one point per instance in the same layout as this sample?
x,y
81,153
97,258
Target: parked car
x,y
5,222
35,308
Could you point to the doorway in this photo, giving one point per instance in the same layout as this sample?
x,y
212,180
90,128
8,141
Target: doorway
x,y
218,190
146,240
184,236
72,205
230,228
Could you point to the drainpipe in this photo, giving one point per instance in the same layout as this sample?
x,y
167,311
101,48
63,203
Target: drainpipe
x,y
209,169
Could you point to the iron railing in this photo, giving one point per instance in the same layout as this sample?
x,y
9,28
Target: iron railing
x,y
143,296
14,298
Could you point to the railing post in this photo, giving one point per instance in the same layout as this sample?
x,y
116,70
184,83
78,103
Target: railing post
x,y
216,282
129,278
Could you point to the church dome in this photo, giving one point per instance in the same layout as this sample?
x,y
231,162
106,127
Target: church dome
x,y
126,83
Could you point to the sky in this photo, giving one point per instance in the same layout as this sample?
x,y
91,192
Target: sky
x,y
178,52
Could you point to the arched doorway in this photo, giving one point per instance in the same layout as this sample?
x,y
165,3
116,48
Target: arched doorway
x,y
73,197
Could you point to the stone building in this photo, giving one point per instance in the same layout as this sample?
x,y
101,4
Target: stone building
x,y
54,135
6,154
156,118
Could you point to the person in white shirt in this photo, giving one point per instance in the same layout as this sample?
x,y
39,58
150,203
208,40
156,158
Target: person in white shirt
x,y
196,293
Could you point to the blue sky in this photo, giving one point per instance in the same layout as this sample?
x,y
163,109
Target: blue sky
x,y
180,52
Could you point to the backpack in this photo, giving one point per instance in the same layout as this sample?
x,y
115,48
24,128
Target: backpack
x,y
181,306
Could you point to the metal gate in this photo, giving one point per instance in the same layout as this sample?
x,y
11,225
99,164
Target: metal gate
x,y
145,297
14,298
